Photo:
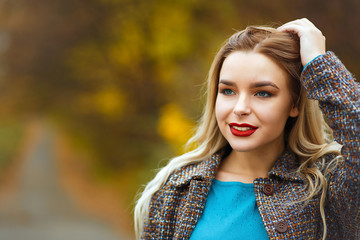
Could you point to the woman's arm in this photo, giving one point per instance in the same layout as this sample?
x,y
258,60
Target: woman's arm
x,y
327,80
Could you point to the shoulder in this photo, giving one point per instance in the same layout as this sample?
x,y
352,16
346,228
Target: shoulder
x,y
199,170
179,180
167,202
328,162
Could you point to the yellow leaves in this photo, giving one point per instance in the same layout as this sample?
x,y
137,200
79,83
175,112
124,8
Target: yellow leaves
x,y
109,103
174,126
170,41
165,71
88,63
127,51
170,28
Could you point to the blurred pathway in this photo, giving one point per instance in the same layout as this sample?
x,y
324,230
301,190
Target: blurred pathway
x,y
39,208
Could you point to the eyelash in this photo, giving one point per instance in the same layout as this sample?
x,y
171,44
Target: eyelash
x,y
262,92
223,91
259,93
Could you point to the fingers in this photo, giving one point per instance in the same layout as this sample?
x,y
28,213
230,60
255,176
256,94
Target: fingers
x,y
312,41
300,22
300,27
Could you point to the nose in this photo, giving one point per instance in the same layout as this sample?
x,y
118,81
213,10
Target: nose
x,y
242,107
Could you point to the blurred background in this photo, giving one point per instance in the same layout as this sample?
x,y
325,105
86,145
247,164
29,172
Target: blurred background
x,y
97,94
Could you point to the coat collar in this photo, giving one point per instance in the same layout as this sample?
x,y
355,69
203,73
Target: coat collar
x,y
204,170
285,168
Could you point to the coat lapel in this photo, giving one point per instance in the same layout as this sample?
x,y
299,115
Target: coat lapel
x,y
195,181
191,208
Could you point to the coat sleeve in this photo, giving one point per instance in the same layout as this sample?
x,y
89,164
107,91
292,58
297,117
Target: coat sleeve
x,y
327,80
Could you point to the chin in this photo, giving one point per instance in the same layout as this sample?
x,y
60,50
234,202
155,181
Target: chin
x,y
242,148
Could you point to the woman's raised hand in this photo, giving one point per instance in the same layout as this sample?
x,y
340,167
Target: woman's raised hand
x,y
312,41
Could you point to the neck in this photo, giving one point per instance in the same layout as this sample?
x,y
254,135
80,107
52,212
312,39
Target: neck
x,y
247,166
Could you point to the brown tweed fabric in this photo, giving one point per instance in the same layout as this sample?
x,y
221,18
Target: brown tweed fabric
x,y
176,208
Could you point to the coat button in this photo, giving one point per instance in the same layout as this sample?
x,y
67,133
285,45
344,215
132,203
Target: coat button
x,y
281,226
268,189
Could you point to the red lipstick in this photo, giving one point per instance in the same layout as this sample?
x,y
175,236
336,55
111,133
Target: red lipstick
x,y
242,130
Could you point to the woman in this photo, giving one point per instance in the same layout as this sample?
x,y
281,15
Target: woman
x,y
266,166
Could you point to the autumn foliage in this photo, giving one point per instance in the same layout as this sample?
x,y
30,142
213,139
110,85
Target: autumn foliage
x,y
125,77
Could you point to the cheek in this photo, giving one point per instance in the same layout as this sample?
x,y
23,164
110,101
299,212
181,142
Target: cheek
x,y
218,111
276,114
222,109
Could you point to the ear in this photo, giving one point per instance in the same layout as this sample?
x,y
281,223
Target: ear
x,y
294,112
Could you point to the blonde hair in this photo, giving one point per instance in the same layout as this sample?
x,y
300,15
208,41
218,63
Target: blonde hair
x,y
305,134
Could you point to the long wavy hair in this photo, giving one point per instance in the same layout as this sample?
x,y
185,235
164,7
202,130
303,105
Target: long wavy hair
x,y
307,135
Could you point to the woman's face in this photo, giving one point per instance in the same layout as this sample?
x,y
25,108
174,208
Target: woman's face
x,y
253,102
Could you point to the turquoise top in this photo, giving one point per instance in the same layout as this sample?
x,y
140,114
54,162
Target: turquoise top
x,y
230,213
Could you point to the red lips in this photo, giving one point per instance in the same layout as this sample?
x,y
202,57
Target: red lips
x,y
242,130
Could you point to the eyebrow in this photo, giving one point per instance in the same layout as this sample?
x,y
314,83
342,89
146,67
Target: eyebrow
x,y
264,84
253,85
226,82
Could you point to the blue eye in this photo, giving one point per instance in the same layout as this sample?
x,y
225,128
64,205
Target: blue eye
x,y
263,94
227,92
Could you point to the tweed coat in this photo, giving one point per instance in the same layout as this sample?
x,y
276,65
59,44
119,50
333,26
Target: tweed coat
x,y
175,209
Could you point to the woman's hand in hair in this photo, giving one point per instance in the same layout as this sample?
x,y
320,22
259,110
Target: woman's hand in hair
x,y
312,41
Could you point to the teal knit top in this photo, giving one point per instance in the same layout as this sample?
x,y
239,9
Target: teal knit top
x,y
230,213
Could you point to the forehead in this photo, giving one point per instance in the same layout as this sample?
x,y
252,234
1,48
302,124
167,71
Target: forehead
x,y
250,66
